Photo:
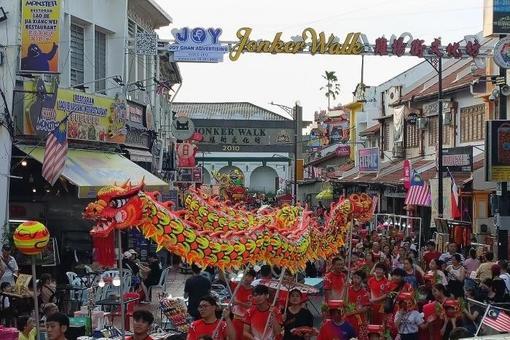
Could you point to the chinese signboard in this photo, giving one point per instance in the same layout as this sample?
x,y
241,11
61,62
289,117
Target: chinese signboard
x,y
197,45
458,159
368,160
136,113
354,43
497,144
40,35
343,150
89,117
496,17
241,138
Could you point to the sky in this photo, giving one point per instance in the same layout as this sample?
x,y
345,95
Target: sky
x,y
285,79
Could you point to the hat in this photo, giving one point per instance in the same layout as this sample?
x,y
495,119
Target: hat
x,y
335,304
127,254
132,251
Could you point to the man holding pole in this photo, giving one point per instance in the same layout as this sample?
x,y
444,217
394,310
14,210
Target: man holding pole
x,y
257,317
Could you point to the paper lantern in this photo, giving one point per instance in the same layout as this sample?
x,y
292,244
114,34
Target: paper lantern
x,y
31,237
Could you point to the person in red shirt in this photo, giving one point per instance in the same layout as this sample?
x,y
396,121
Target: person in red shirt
x,y
142,321
334,281
430,254
257,317
378,287
242,302
336,328
358,304
396,287
209,325
376,254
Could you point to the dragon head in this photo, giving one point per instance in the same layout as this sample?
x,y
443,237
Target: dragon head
x,y
116,206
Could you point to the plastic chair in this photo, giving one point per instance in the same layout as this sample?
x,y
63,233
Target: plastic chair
x,y
161,284
130,308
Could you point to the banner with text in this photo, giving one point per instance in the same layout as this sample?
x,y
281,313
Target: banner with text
x,y
40,35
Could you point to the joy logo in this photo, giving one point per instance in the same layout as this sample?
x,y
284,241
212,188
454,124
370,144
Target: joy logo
x,y
198,35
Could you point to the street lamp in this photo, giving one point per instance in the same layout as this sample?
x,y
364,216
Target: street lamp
x,y
294,113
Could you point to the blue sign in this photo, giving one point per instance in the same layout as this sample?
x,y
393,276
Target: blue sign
x,y
197,45
416,179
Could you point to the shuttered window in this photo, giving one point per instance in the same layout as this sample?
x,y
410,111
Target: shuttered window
x,y
131,56
100,61
412,136
472,123
77,54
386,136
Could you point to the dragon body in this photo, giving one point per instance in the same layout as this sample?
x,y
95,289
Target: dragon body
x,y
241,238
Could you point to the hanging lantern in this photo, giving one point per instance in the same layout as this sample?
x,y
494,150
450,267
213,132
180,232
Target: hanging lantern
x,y
31,237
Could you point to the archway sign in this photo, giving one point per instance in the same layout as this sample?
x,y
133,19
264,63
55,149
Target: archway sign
x,y
204,45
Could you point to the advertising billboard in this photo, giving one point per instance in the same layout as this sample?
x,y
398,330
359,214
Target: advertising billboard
x,y
40,36
497,144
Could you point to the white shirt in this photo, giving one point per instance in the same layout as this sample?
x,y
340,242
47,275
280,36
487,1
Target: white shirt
x,y
409,321
506,277
8,275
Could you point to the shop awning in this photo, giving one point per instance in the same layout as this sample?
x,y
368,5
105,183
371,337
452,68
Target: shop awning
x,y
90,170
137,155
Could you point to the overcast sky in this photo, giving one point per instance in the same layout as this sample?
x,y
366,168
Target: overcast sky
x,y
260,78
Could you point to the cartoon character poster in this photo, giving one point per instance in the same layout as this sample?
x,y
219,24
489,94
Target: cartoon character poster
x,y
40,35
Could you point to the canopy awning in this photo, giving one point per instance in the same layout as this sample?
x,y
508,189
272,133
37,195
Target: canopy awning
x,y
91,170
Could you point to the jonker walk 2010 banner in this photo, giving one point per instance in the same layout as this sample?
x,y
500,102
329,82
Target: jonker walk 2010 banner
x,y
40,36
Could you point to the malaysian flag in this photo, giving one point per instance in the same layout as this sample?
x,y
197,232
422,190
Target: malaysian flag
x,y
419,192
55,153
497,320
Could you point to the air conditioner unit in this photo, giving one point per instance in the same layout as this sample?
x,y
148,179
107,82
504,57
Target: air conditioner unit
x,y
393,95
484,226
422,123
447,118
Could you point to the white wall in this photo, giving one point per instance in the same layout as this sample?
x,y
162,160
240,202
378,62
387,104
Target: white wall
x,y
9,33
262,179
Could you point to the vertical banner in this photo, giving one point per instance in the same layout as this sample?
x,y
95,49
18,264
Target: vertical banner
x,y
398,123
407,174
40,35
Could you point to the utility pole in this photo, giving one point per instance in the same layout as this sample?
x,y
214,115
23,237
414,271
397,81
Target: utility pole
x,y
503,200
440,207
297,113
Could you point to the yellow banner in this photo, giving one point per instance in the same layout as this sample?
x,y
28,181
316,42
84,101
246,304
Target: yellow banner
x,y
87,117
40,35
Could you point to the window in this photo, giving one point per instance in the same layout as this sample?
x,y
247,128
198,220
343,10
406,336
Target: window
x,y
472,123
434,132
386,136
100,61
131,55
412,134
77,54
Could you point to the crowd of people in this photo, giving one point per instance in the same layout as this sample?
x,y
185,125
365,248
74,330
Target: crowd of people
x,y
385,288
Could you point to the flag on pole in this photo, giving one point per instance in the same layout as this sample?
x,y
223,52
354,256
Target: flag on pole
x,y
497,320
55,154
454,199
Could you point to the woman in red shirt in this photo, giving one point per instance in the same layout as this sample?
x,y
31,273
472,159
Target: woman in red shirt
x,y
396,287
209,325
378,286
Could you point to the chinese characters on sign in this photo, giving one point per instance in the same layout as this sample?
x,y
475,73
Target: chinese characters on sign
x,y
458,159
244,136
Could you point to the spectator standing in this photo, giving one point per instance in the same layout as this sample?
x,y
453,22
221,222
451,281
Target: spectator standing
x,y
26,328
430,254
452,250
456,276
47,289
10,266
296,316
413,273
408,321
504,274
472,262
484,271
195,288
334,281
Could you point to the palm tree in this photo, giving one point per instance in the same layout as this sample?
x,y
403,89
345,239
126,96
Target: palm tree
x,y
332,88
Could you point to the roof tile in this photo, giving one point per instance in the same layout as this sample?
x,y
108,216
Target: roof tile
x,y
227,111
